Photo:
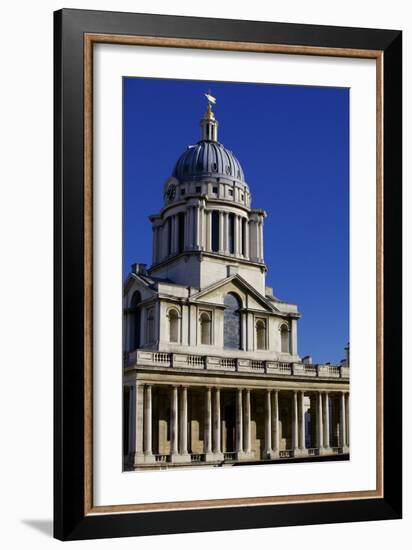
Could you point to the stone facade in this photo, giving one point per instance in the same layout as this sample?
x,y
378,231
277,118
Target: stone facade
x,y
212,373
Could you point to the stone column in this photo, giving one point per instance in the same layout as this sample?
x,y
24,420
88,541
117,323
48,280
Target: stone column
x,y
275,423
162,242
174,429
165,237
302,421
243,330
319,423
295,431
184,455
247,253
217,449
239,423
221,232
173,234
196,227
261,239
247,439
176,239
236,235
187,223
268,425
208,230
226,232
240,234
342,421
347,418
189,228
131,409
201,228
253,240
193,227
208,424
326,428
139,418
148,425
293,337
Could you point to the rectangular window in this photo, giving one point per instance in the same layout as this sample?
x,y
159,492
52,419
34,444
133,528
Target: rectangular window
x,y
198,189
232,233
181,232
231,192
215,230
215,190
182,192
243,237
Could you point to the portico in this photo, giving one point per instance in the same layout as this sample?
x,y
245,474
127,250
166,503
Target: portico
x,y
217,419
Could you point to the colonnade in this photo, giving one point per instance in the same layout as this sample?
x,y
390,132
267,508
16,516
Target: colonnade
x,y
244,239
243,450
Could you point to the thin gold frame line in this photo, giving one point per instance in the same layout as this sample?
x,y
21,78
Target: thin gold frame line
x,y
89,40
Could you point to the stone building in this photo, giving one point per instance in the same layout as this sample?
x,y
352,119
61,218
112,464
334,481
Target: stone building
x,y
212,373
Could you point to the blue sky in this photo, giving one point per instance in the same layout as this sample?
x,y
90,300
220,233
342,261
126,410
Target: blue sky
x,y
293,144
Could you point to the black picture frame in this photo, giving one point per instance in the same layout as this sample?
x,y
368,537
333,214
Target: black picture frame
x,y
71,522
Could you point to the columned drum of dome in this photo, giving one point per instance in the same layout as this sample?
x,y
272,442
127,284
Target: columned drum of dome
x,y
212,373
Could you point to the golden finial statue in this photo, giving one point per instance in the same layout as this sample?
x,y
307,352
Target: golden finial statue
x,y
211,100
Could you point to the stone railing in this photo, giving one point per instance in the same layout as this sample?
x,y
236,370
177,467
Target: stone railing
x,y
229,456
288,453
162,458
337,450
142,358
313,452
197,457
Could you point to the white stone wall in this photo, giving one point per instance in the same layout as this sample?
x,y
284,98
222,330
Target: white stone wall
x,y
187,311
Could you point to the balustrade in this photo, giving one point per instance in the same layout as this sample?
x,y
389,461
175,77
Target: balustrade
x,y
143,358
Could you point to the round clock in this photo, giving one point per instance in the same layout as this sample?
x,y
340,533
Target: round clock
x,y
171,192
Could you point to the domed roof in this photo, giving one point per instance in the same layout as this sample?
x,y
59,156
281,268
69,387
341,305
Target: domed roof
x,y
208,159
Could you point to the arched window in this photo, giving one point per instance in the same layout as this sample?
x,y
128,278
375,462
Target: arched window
x,y
173,325
231,321
134,333
284,339
205,328
150,326
260,334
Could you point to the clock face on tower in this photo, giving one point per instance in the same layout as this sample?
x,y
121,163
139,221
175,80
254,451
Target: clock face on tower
x,y
170,190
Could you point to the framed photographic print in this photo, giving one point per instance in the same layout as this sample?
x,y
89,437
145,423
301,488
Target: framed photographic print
x,y
227,274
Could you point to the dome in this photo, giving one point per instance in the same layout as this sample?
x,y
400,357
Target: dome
x,y
208,159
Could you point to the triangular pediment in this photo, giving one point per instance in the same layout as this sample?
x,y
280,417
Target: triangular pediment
x,y
136,282
215,291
